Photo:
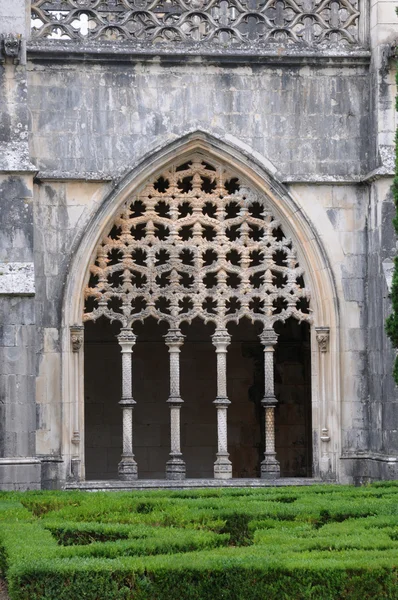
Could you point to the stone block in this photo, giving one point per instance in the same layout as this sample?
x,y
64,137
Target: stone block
x,y
17,279
385,13
353,289
20,474
13,17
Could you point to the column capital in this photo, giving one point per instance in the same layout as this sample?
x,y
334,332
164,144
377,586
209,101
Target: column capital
x,y
221,340
322,337
126,339
76,337
268,337
174,339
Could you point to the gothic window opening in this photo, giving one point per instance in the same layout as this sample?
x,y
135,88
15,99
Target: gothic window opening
x,y
197,245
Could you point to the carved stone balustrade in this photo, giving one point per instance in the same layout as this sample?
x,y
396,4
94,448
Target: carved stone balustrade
x,y
218,23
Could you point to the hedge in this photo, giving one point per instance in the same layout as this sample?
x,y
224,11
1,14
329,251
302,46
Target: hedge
x,y
325,542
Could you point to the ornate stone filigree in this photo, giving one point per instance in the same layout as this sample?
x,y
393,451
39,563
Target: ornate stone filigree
x,y
196,242
225,22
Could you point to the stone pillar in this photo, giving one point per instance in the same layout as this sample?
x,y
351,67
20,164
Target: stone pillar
x,y
223,466
322,337
270,468
175,466
19,338
77,338
127,467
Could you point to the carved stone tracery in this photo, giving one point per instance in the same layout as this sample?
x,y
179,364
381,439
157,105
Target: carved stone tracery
x,y
226,22
196,242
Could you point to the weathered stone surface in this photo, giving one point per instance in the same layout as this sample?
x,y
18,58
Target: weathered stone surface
x,y
280,112
17,279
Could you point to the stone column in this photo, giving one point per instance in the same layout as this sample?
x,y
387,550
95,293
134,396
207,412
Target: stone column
x,y
223,466
326,466
77,338
322,337
175,466
127,467
270,468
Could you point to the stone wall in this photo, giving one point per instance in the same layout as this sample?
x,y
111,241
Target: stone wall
x,y
72,130
18,466
99,120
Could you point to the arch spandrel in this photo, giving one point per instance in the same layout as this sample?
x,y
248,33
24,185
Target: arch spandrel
x,y
197,241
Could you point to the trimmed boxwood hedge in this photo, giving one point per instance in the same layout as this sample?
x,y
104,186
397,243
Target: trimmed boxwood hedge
x,y
320,542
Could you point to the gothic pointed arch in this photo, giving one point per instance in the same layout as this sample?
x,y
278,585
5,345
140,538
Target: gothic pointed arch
x,y
292,279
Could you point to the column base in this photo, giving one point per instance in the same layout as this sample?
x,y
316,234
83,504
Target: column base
x,y
127,469
75,468
223,467
270,467
175,469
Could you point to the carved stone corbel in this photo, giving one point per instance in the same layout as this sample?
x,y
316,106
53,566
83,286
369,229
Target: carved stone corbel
x,y
76,337
322,337
11,46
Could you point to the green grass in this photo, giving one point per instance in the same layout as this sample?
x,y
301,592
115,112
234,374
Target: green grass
x,y
318,542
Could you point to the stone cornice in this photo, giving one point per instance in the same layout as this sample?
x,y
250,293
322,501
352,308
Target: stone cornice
x,y
277,54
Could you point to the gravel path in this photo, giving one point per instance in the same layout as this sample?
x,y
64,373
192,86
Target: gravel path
x,y
3,590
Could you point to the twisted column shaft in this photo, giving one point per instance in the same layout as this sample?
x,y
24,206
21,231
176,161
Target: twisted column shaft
x,y
175,466
270,467
127,467
222,466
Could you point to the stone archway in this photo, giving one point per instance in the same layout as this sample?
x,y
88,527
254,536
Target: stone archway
x,y
196,242
323,311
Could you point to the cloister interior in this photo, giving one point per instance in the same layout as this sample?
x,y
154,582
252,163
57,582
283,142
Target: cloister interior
x,y
245,381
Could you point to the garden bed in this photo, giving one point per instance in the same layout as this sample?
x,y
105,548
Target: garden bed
x,y
320,542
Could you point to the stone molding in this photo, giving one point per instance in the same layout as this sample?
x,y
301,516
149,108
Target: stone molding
x,y
20,460
125,52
